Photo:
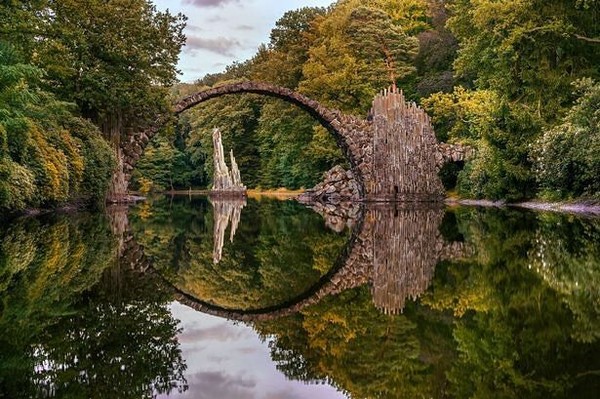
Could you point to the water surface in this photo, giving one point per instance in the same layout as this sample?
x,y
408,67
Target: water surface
x,y
180,297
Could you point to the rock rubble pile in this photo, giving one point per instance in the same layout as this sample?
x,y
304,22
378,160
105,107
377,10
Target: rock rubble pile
x,y
338,185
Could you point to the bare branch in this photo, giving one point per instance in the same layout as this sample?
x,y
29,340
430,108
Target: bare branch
x,y
587,39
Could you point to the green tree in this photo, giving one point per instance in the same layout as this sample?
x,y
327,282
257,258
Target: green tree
x,y
47,155
290,156
501,168
525,54
281,61
166,167
437,51
567,156
114,59
376,38
529,50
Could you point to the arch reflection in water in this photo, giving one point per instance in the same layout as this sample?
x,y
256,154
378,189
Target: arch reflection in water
x,y
396,250
393,249
526,298
280,250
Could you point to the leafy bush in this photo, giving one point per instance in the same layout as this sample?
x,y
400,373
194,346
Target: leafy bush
x,y
98,158
499,132
17,186
567,157
47,155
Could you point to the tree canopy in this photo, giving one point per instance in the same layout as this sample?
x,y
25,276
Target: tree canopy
x,y
70,73
496,75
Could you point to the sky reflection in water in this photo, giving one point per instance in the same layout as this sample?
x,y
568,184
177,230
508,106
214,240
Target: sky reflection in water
x,y
508,304
228,360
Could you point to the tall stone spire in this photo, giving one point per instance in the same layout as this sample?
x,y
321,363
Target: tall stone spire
x,y
224,180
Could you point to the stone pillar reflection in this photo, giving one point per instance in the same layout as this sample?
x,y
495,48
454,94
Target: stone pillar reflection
x,y
406,248
396,250
119,224
225,211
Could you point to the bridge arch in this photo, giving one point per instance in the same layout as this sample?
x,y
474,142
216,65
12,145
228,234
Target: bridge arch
x,y
394,155
349,132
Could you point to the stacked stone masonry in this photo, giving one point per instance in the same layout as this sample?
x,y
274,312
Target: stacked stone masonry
x,y
393,153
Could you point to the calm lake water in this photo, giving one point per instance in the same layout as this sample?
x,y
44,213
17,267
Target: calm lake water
x,y
179,297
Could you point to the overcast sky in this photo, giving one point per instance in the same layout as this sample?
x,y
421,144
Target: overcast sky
x,y
222,31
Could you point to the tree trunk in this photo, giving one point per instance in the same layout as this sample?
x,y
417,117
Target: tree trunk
x,y
112,127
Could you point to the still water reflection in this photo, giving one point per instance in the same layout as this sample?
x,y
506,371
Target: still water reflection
x,y
427,302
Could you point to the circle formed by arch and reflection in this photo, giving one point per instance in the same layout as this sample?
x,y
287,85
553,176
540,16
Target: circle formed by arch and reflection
x,y
281,258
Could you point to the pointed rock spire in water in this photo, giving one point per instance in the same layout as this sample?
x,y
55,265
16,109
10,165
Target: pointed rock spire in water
x,y
235,172
221,177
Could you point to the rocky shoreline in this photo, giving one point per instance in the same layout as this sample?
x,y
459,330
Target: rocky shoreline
x,y
338,188
338,185
584,207
337,198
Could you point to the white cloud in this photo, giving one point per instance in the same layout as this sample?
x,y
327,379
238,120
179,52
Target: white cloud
x,y
224,31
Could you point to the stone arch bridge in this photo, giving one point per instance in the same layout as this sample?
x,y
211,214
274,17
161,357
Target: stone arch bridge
x,y
393,153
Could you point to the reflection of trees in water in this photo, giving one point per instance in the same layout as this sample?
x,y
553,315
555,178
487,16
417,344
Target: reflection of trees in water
x,y
567,257
280,250
490,327
522,340
122,346
74,324
347,342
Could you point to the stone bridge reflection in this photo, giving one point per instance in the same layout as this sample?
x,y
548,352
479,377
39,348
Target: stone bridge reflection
x,y
393,247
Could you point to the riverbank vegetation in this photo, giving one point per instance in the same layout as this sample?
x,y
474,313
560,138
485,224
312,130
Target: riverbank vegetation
x,y
519,81
75,77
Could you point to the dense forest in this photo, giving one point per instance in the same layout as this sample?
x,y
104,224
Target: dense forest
x,y
517,80
75,77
